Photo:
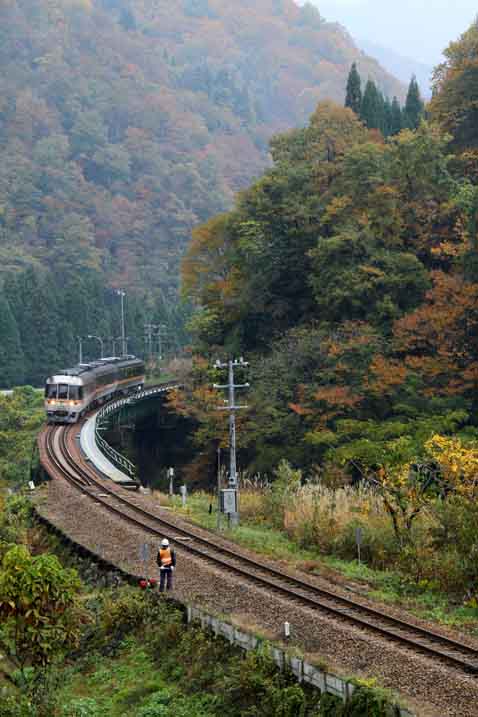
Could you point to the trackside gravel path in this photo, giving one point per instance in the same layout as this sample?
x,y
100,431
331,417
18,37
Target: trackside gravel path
x,y
428,689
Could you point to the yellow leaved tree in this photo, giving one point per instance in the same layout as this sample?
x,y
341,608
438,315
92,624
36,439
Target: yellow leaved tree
x,y
458,464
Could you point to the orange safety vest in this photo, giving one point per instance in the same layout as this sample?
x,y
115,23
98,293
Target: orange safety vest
x,y
165,557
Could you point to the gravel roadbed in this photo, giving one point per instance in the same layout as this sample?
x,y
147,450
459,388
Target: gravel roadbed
x,y
428,689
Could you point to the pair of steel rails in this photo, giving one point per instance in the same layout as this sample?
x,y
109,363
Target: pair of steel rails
x,y
406,634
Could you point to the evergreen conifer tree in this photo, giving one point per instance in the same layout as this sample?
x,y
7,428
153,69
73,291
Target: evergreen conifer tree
x,y
11,355
397,117
414,105
387,117
371,112
381,122
353,98
39,325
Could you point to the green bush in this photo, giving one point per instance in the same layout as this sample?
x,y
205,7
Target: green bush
x,y
82,707
365,702
286,482
378,548
254,687
14,521
330,706
16,706
157,705
455,541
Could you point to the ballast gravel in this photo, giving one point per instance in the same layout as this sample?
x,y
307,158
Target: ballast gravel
x,y
425,687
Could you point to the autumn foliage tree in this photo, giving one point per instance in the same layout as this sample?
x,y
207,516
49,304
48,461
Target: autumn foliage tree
x,y
354,256
455,95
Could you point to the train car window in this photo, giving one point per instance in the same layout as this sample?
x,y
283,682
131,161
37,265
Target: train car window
x,y
74,393
107,378
62,390
51,390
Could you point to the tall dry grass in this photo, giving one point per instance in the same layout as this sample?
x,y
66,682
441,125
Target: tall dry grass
x,y
326,518
339,506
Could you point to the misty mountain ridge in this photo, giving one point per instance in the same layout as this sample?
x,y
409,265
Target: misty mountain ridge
x,y
402,67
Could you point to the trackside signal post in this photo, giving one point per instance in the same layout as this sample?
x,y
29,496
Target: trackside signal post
x,y
229,495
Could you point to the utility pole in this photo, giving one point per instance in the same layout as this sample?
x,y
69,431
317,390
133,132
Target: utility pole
x,y
98,338
80,349
218,520
122,294
152,332
113,341
148,339
159,328
230,496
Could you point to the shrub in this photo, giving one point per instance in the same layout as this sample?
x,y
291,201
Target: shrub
x,y
82,707
366,701
330,706
286,484
157,705
16,706
455,541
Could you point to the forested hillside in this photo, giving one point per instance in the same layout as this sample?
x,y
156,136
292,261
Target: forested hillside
x,y
122,125
348,275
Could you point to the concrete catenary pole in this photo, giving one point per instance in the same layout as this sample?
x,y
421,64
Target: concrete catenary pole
x,y
232,408
122,294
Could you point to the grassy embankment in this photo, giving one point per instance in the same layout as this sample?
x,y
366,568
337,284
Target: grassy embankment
x,y
315,529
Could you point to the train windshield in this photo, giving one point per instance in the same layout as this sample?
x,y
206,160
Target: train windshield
x,y
62,391
75,393
51,390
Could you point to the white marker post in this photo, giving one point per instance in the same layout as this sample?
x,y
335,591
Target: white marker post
x,y
358,540
183,491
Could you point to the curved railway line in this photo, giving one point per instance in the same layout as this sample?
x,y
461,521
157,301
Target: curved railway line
x,y
299,591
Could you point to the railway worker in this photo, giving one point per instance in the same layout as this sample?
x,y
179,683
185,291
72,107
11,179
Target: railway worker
x,y
166,560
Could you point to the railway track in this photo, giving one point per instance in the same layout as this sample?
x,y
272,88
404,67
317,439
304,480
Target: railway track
x,y
298,590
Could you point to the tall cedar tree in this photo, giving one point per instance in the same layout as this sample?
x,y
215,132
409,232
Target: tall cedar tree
x,y
353,97
396,118
387,117
371,111
414,105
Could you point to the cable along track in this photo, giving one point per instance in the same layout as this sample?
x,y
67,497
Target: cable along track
x,y
406,634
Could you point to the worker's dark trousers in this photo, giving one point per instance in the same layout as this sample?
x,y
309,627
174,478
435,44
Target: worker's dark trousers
x,y
165,576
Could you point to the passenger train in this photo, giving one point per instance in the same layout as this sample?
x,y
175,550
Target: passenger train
x,y
72,392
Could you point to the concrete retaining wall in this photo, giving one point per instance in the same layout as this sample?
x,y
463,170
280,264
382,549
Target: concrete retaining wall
x,y
303,671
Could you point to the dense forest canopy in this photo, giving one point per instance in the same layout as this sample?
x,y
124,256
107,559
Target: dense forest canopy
x,y
349,276
123,125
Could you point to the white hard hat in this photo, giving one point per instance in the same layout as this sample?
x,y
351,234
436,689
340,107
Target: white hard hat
x,y
164,543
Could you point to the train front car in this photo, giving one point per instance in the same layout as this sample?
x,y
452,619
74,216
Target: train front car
x,y
65,398
70,394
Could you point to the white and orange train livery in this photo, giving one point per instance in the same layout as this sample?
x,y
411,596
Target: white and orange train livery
x,y
72,392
